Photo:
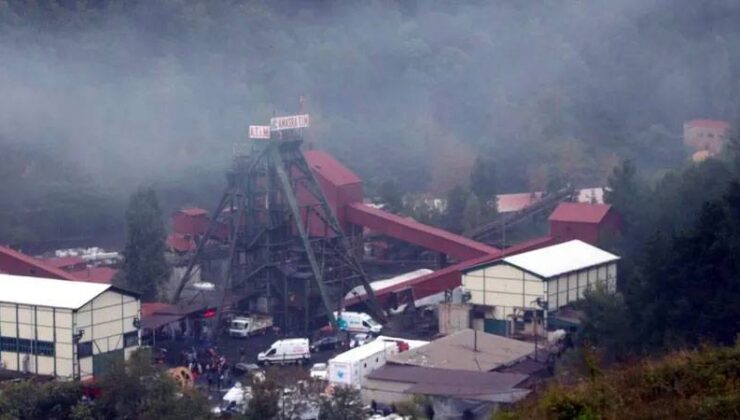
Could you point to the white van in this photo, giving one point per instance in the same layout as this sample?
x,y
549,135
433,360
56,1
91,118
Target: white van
x,y
359,322
293,350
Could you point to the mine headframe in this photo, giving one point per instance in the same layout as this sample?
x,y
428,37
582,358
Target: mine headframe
x,y
287,252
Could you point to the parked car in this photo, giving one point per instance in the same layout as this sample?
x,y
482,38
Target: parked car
x,y
319,371
359,322
294,350
331,342
242,368
360,340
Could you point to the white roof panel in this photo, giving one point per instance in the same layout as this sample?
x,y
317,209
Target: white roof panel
x,y
379,345
382,284
561,258
48,292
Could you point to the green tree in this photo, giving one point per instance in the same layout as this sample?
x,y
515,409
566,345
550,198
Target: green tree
x,y
484,182
145,268
390,196
472,212
265,400
607,322
625,194
344,404
455,208
690,281
137,390
28,400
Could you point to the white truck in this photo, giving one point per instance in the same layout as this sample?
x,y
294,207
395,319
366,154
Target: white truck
x,y
243,327
351,367
358,322
293,350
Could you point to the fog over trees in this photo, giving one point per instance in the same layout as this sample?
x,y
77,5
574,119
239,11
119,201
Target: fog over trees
x,y
97,98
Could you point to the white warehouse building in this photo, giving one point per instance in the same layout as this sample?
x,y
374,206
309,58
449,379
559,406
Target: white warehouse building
x,y
518,287
66,329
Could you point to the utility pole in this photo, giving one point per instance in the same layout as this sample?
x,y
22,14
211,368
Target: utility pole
x,y
540,306
535,335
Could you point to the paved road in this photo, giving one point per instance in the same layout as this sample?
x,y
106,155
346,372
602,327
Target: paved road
x,y
229,347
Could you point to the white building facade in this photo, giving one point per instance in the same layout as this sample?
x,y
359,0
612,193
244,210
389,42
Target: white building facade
x,y
536,283
65,329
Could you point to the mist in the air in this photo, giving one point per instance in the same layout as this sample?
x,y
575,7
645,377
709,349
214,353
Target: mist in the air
x,y
124,93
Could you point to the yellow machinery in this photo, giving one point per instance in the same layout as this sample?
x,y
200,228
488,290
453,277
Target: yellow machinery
x,y
182,376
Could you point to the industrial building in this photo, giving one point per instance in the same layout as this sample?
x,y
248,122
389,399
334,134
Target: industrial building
x,y
450,392
591,223
66,329
462,372
507,294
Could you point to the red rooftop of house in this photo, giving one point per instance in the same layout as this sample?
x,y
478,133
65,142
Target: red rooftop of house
x,y
580,212
716,124
65,263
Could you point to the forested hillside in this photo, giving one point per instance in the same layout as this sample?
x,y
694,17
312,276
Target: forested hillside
x,y
99,97
688,385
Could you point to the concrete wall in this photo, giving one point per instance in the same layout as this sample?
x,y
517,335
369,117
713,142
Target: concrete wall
x,y
453,317
386,392
105,320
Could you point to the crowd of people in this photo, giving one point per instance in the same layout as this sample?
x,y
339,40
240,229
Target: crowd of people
x,y
209,366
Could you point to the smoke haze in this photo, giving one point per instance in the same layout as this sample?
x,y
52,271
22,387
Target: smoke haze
x,y
158,91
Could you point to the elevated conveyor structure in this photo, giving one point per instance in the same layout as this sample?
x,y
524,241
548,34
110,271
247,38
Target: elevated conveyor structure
x,y
343,190
456,246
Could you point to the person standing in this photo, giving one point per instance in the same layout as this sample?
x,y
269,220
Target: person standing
x,y
209,376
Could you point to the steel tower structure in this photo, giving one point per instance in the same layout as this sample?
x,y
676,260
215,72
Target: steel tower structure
x,y
286,248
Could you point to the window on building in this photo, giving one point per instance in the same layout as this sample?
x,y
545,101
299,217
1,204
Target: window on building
x,y
25,346
22,345
131,339
45,348
84,349
8,344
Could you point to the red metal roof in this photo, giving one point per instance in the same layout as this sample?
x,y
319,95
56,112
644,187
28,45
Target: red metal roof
x,y
450,277
46,270
324,165
180,243
580,212
716,124
194,211
102,275
507,203
417,233
63,262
